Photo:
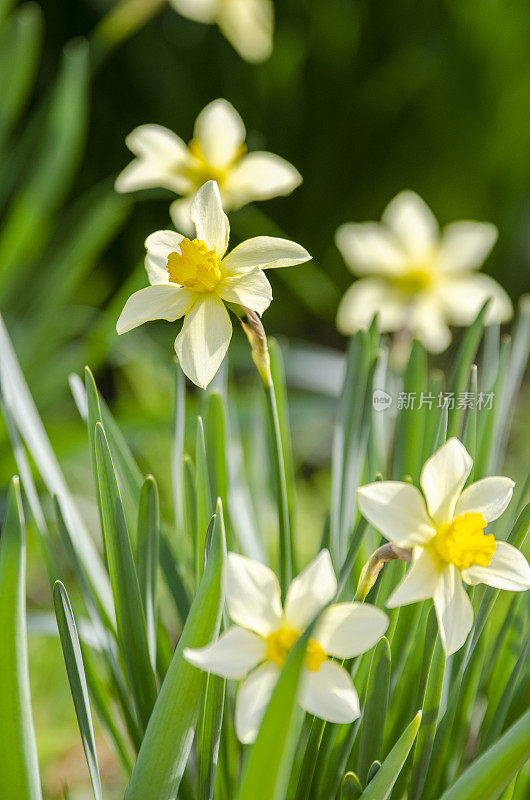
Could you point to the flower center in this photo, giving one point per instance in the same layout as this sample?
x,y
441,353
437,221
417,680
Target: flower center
x,y
201,171
414,280
195,266
463,543
279,645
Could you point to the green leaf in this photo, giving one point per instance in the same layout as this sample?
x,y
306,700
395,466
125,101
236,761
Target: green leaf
x,y
148,541
169,736
375,708
464,358
209,734
19,767
76,676
203,508
269,763
411,421
130,618
351,788
382,784
488,776
18,399
177,446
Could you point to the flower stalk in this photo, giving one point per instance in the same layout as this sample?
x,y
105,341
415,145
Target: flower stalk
x,y
257,338
374,565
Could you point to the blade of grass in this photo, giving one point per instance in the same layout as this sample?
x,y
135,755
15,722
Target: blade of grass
x,y
19,767
382,784
132,634
375,709
76,677
147,557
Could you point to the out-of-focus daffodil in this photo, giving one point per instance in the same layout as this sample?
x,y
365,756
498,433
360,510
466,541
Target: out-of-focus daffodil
x,y
247,24
216,152
416,278
257,646
191,278
445,532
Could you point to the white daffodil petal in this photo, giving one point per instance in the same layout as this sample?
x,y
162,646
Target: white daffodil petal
x,y
220,132
252,289
368,247
145,174
165,301
419,582
180,213
397,510
233,655
464,295
259,176
453,610
489,497
159,144
198,10
412,222
203,341
265,252
347,629
248,25
211,222
310,591
329,693
159,245
465,245
252,700
508,569
443,477
427,323
253,596
366,298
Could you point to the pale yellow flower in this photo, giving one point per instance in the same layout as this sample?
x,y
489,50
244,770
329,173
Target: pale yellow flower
x,y
193,278
247,24
415,277
216,152
256,647
445,528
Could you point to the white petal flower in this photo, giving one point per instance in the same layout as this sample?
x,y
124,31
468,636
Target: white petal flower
x,y
248,25
420,280
265,634
191,278
448,538
216,152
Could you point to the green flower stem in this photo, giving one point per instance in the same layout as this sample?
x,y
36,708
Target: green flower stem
x,y
121,22
281,490
257,338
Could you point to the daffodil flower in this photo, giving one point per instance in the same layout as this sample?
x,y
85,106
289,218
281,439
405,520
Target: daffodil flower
x,y
416,278
247,24
256,647
191,278
446,534
216,152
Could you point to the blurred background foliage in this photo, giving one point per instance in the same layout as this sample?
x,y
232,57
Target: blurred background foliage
x,y
364,98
